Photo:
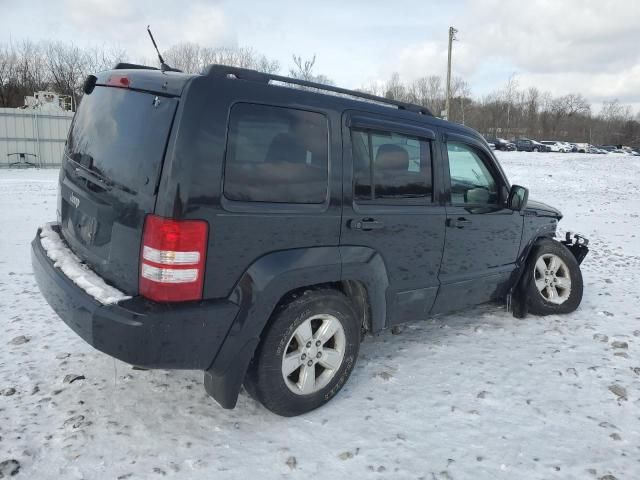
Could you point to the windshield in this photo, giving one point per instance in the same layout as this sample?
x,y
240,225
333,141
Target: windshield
x,y
121,135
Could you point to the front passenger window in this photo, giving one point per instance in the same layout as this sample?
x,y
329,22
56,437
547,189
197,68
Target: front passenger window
x,y
471,180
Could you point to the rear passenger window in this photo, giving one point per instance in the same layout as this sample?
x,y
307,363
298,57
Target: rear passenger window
x,y
391,168
276,154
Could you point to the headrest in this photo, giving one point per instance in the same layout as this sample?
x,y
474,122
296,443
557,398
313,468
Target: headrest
x,y
285,148
392,157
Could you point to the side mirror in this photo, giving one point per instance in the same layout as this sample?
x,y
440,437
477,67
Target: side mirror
x,y
518,197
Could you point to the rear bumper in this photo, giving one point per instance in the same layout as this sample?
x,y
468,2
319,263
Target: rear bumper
x,y
137,331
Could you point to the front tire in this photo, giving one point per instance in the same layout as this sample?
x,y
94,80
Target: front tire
x,y
307,353
554,279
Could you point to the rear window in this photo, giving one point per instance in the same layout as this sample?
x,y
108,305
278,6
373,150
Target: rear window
x,y
276,154
121,134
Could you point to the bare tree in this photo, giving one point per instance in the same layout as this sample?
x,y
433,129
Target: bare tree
x,y
435,93
8,68
67,66
374,88
303,70
429,92
613,110
193,58
532,106
509,112
394,89
460,93
562,108
186,57
615,120
508,96
22,72
105,58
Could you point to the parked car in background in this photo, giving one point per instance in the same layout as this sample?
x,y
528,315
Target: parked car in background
x,y
568,146
501,143
541,146
630,151
626,151
528,145
555,146
583,147
574,147
596,150
608,148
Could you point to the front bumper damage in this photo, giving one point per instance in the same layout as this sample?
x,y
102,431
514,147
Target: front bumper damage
x,y
577,244
516,297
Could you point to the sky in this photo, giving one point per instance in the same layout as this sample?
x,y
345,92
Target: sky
x,y
562,46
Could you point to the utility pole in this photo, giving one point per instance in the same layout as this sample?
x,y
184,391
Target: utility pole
x,y
452,37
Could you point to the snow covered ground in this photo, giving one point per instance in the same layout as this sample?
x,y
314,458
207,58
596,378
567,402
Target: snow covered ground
x,y
476,395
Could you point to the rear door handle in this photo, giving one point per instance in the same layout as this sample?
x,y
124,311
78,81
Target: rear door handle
x,y
460,222
366,224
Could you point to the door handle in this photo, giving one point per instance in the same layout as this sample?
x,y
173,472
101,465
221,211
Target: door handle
x,y
366,224
460,222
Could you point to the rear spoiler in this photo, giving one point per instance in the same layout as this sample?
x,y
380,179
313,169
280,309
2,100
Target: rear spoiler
x,y
132,66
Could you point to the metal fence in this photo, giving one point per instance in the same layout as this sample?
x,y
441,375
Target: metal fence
x,y
32,137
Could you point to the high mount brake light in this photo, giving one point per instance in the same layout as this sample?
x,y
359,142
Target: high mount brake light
x,y
121,81
172,259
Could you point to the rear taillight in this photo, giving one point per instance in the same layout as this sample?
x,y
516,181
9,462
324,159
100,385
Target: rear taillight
x,y
172,259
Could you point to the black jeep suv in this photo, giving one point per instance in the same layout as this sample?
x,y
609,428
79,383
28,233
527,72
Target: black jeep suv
x,y
254,227
502,144
526,145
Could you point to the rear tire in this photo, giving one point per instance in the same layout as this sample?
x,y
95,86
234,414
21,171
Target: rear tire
x,y
554,279
306,354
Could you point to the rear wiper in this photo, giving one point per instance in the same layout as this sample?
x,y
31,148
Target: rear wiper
x,y
94,178
97,178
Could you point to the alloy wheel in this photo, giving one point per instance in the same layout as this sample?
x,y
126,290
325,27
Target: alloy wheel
x,y
552,278
314,354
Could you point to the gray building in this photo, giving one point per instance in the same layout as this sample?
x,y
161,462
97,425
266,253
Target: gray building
x,y
35,135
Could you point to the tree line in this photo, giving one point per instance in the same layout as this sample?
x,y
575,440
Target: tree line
x,y
512,112
29,67
509,111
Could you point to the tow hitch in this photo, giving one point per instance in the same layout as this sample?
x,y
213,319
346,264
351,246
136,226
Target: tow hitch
x,y
577,244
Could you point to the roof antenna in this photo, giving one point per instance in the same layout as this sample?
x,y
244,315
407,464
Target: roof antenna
x,y
163,66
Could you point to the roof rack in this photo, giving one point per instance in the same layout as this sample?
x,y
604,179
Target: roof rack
x,y
216,70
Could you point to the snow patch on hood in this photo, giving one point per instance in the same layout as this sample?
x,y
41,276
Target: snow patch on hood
x,y
76,271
